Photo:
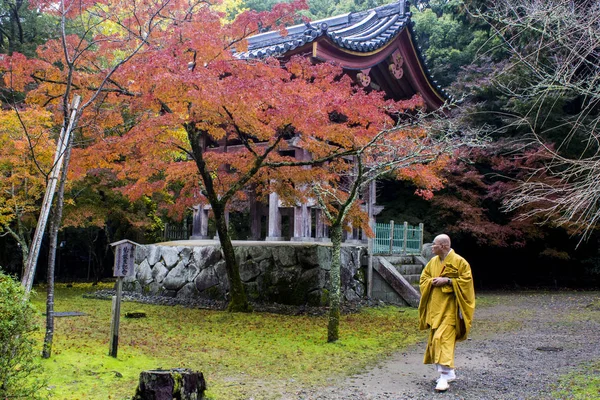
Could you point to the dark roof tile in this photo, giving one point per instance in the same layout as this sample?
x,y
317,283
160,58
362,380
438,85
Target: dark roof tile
x,y
363,31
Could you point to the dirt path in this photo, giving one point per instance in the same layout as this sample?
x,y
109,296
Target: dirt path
x,y
519,346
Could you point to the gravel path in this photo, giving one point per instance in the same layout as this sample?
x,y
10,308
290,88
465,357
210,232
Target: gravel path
x,y
519,346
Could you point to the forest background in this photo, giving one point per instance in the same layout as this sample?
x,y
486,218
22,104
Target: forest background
x,y
465,57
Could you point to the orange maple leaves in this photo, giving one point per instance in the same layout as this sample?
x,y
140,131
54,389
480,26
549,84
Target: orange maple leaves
x,y
184,84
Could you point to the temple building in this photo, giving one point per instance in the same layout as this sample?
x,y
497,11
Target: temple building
x,y
377,48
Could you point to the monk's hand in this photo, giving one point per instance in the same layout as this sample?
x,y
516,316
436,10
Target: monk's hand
x,y
440,281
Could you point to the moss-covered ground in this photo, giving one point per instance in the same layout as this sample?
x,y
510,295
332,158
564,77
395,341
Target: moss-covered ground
x,y
242,356
256,355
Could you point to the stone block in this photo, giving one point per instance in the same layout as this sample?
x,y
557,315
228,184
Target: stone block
x,y
221,271
176,278
141,253
205,256
159,272
154,254
350,295
249,270
144,273
324,257
185,254
207,278
192,272
170,256
427,252
188,291
155,288
260,253
285,256
308,256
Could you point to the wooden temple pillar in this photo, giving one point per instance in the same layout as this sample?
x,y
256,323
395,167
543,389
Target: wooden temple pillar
x,y
302,213
255,217
321,228
200,222
370,199
274,223
302,223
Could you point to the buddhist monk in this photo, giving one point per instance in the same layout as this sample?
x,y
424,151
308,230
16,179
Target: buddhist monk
x,y
446,308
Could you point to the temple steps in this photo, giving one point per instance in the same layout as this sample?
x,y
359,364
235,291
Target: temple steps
x,y
396,282
409,270
398,260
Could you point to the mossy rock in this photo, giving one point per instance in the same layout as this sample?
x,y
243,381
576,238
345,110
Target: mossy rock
x,y
176,383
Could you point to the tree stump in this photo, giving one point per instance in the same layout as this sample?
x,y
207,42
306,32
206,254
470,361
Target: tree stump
x,y
177,383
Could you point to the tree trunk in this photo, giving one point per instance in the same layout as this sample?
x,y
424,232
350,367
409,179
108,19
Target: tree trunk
x,y
54,227
180,384
239,301
333,327
47,349
19,237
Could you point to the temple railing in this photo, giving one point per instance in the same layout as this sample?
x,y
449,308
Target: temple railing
x,y
177,231
391,238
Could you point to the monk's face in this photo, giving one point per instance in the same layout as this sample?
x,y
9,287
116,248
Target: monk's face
x,y
439,247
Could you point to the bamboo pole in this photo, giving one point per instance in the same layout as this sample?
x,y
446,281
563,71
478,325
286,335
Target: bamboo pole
x,y
392,237
405,241
36,244
420,237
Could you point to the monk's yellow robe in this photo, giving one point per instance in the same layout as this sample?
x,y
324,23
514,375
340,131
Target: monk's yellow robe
x,y
446,310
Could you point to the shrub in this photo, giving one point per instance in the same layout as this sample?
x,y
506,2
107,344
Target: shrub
x,y
18,362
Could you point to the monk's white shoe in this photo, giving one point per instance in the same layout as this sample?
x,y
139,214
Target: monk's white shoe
x,y
449,377
442,385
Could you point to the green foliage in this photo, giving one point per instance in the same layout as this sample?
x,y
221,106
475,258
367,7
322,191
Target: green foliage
x,y
324,9
23,28
449,40
320,9
18,364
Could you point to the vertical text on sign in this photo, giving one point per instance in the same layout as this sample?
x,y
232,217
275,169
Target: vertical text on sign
x,y
124,260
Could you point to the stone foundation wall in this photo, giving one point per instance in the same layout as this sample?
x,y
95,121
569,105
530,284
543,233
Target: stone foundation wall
x,y
294,274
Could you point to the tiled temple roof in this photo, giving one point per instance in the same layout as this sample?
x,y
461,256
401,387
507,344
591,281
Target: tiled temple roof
x,y
361,32
364,32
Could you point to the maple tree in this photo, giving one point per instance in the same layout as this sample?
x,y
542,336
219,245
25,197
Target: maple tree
x,y
176,112
416,149
95,40
211,123
26,149
107,37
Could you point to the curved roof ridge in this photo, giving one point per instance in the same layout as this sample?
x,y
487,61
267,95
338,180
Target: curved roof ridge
x,y
370,20
362,31
376,30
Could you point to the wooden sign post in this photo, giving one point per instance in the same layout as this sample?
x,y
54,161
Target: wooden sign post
x,y
124,257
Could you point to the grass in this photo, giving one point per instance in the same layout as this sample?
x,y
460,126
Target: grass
x,y
582,384
241,355
259,356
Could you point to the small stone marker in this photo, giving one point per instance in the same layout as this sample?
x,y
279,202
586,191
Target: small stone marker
x,y
549,348
177,383
124,257
135,314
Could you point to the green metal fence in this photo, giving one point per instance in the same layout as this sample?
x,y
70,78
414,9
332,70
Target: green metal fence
x,y
393,238
177,231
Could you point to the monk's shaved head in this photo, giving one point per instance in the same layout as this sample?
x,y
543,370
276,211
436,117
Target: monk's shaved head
x,y
443,240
